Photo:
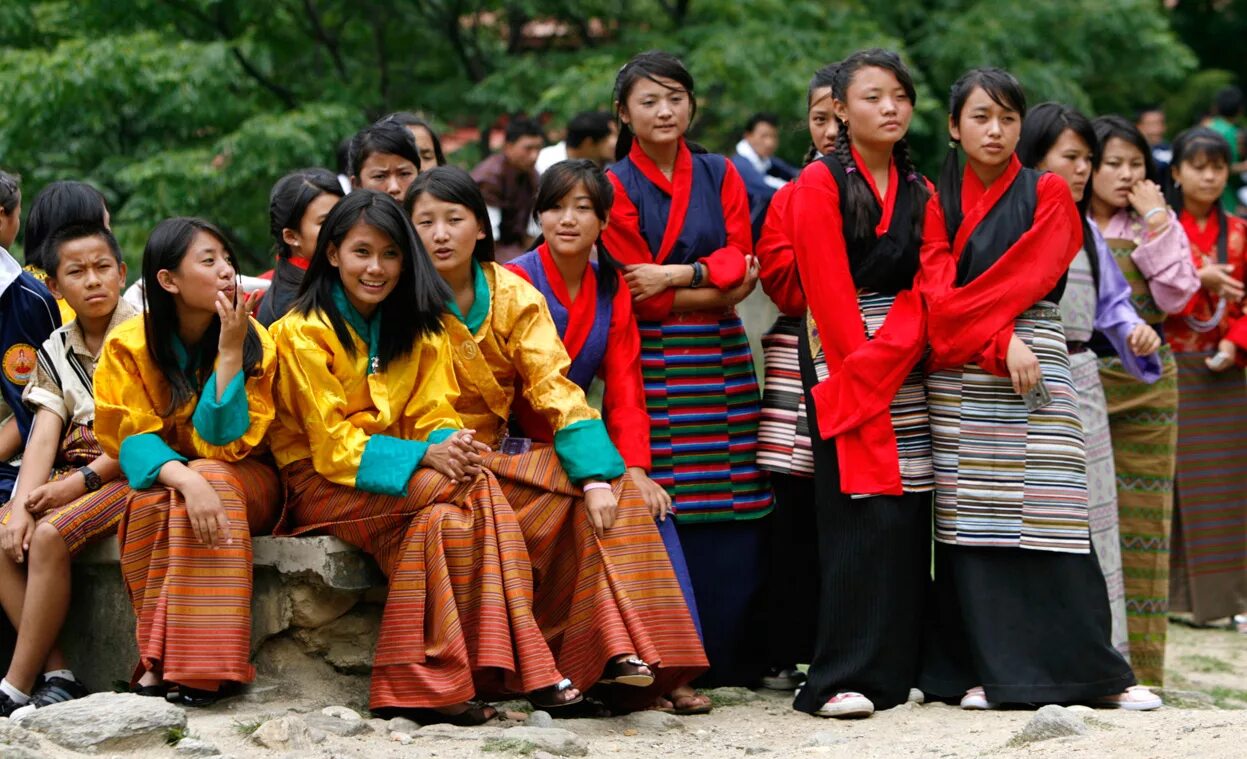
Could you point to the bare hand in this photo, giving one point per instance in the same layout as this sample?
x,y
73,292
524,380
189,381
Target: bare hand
x,y
53,495
1146,196
602,507
234,321
1023,366
207,515
458,456
15,536
656,498
1226,357
647,280
741,291
1220,280
1143,340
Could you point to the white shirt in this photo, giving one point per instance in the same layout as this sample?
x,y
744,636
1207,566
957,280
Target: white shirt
x,y
550,155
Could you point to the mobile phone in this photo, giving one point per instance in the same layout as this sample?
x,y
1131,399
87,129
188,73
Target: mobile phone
x,y
1220,362
516,445
1037,397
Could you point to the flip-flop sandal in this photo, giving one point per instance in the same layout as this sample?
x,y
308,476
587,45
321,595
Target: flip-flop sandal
x,y
631,671
704,705
547,699
662,704
477,713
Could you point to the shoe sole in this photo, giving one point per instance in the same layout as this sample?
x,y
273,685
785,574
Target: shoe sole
x,y
852,713
636,681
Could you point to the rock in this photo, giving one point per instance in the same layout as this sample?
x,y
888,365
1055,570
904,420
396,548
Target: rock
x,y
347,642
731,696
826,738
108,721
315,606
653,721
1185,699
528,740
1081,709
341,712
14,735
285,734
270,611
456,733
402,738
379,726
10,751
916,696
1050,722
404,725
195,747
543,755
334,726
539,719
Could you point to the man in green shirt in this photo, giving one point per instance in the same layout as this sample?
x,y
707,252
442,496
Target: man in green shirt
x,y
1227,107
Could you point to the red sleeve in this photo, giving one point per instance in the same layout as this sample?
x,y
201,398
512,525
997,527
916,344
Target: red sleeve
x,y
623,406
519,270
778,273
974,323
625,242
1236,254
726,266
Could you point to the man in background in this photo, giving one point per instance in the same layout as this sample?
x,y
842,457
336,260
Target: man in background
x,y
590,135
508,181
761,170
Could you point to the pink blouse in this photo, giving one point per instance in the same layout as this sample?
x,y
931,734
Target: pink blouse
x,y
1164,260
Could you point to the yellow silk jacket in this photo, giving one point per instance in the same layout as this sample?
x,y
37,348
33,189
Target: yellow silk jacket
x,y
358,428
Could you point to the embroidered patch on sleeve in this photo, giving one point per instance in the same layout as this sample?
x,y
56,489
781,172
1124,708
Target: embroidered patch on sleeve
x,y
19,363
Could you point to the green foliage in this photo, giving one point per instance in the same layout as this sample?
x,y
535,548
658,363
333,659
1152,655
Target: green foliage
x,y
199,106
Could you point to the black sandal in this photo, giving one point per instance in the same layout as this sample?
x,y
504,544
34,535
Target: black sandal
x,y
183,695
630,671
150,691
477,713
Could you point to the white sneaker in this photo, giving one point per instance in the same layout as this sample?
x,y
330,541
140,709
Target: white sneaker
x,y
846,705
1136,698
976,700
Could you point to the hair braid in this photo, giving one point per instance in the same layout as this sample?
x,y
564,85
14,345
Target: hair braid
x,y
913,183
860,201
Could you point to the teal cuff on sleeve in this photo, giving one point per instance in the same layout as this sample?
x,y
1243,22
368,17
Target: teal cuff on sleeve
x,y
388,463
586,452
439,436
142,456
224,422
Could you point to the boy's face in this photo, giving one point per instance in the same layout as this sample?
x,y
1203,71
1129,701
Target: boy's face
x,y
88,277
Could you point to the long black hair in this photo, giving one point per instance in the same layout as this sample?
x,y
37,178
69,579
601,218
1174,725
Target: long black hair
x,y
859,199
824,77
1005,91
651,65
451,184
383,137
290,198
559,180
412,309
1108,127
10,192
408,119
58,205
166,248
1044,125
1194,143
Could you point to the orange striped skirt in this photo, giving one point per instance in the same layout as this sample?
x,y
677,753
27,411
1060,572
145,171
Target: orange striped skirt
x,y
599,598
193,603
90,517
458,620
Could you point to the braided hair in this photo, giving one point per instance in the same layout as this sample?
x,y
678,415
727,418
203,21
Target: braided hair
x,y
859,199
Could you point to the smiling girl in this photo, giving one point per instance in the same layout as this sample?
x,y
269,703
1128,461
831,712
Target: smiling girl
x,y
1152,251
372,451
1209,568
1021,605
184,397
607,597
680,226
1059,139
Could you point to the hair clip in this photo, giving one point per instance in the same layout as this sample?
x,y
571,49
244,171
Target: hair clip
x,y
911,176
850,170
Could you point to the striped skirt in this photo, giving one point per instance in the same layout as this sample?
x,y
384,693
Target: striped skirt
x,y
90,517
1101,489
1209,568
1143,424
597,598
702,397
193,603
784,428
1006,476
458,620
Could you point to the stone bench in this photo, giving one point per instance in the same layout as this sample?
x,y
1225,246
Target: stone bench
x,y
318,595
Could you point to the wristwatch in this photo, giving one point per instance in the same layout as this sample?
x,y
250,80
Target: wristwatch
x,y
92,479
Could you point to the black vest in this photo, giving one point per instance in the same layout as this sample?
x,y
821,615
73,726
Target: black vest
x,y
1006,222
884,264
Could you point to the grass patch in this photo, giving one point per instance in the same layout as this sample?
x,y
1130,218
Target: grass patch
x,y
1206,664
510,746
175,735
1228,698
245,728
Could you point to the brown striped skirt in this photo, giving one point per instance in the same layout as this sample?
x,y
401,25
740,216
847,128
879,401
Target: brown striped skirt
x,y
193,603
597,598
458,620
1006,476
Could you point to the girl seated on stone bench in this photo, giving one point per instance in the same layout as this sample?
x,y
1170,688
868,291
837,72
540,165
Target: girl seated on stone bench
x,y
184,398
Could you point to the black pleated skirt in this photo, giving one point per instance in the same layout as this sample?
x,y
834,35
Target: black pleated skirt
x,y
1031,627
792,594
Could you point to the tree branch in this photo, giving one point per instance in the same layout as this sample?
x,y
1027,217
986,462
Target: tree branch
x,y
324,38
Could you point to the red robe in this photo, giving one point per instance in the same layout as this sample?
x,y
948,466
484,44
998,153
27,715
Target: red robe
x,y
1204,304
777,260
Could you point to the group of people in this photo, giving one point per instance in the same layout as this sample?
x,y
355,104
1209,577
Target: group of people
x,y
964,474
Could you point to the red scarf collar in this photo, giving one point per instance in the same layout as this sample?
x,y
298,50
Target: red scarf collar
x,y
299,262
977,200
580,312
678,188
1203,240
888,202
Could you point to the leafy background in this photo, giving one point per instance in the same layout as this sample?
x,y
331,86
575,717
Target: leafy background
x,y
197,106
